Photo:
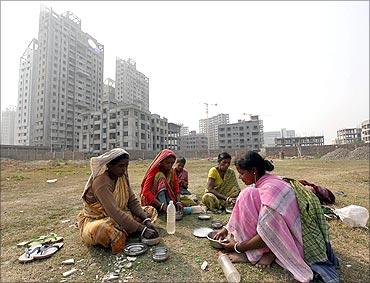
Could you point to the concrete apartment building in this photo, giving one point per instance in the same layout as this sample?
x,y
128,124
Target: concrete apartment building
x,y
132,87
27,82
174,136
184,131
159,127
193,142
68,81
109,90
269,137
116,125
348,136
246,135
8,118
300,141
365,131
212,131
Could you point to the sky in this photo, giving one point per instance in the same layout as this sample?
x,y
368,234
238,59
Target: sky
x,y
302,66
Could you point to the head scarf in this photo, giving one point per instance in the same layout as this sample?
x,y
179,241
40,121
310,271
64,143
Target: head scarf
x,y
147,183
98,165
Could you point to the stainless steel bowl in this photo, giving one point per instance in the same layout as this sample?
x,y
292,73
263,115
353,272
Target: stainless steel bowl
x,y
179,215
151,242
160,254
217,244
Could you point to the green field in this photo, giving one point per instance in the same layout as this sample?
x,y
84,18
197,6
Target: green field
x,y
32,207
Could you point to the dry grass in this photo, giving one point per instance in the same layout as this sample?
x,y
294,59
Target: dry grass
x,y
31,207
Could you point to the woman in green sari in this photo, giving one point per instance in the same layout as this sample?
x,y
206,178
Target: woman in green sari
x,y
222,186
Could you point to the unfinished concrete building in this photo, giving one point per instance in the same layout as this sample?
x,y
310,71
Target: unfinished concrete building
x,y
27,82
159,128
132,86
116,125
209,127
69,79
246,135
348,136
8,118
194,142
300,141
365,131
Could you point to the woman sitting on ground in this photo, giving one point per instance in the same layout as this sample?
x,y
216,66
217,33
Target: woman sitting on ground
x,y
187,198
222,187
279,220
160,184
111,210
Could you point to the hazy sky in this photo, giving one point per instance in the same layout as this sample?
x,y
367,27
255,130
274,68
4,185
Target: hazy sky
x,y
300,65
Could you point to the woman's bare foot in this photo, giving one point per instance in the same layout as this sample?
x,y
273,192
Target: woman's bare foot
x,y
235,257
266,260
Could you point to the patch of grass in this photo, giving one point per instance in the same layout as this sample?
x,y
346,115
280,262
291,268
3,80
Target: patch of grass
x,y
31,207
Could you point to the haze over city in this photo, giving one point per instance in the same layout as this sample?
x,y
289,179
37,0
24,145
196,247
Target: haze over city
x,y
302,66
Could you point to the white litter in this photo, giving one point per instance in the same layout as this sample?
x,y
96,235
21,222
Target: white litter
x,y
65,221
51,181
68,261
204,265
131,258
69,272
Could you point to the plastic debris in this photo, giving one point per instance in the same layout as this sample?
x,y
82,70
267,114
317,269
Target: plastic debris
x,y
131,258
128,265
204,265
110,276
68,261
65,221
69,272
51,181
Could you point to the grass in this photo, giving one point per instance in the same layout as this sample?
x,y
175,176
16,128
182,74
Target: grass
x,y
31,207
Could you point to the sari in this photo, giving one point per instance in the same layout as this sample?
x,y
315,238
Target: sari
x,y
271,209
228,186
96,227
156,185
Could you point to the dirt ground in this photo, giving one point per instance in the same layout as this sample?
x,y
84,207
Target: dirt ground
x,y
32,207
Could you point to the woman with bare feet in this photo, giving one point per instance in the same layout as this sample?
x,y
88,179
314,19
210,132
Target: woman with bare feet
x,y
278,220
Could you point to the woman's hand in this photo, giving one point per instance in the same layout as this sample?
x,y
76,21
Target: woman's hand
x,y
229,246
221,234
231,201
150,233
149,224
179,206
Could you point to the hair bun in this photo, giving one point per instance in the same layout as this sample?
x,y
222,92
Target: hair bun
x,y
268,165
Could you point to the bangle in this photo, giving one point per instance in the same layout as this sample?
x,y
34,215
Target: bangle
x,y
142,232
227,199
225,228
235,249
179,202
146,219
161,206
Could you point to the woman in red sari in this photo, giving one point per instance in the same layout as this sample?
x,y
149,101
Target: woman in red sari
x,y
160,184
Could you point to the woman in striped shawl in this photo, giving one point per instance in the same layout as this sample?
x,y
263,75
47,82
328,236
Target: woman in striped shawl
x,y
279,220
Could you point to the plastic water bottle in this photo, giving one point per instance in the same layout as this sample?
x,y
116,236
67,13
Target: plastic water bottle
x,y
232,275
171,218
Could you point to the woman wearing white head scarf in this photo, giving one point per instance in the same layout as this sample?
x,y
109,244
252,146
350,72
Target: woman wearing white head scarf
x,y
111,210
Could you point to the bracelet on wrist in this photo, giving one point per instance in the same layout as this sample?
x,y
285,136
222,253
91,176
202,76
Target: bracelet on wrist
x,y
235,249
146,219
142,232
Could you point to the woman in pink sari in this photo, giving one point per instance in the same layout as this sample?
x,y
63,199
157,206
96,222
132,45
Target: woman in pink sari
x,y
266,224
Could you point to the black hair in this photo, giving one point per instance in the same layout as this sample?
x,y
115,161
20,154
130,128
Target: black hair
x,y
223,156
253,159
119,158
181,160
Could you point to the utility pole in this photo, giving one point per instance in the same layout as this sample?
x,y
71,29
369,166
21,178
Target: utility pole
x,y
207,128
